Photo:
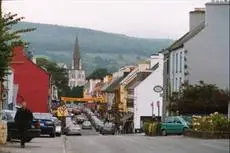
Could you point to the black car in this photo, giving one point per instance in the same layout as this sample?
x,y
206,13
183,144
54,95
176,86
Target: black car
x,y
33,131
47,124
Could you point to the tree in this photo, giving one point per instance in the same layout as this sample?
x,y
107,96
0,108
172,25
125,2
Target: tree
x,y
9,38
199,99
76,92
59,75
98,73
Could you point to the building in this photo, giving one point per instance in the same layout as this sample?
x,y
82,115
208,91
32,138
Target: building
x,y
203,52
147,102
142,102
33,83
76,73
8,99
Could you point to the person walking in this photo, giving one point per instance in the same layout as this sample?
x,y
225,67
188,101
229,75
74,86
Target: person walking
x,y
23,120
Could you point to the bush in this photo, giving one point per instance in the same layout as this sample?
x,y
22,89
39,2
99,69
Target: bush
x,y
213,123
152,129
146,128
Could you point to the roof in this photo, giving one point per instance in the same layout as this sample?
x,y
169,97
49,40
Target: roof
x,y
189,35
133,86
98,86
114,84
19,50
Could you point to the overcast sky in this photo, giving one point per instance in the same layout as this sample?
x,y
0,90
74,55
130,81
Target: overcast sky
x,y
140,18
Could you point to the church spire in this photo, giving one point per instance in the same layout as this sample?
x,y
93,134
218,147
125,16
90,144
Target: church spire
x,y
76,56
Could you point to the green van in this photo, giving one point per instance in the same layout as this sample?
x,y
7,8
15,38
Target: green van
x,y
174,125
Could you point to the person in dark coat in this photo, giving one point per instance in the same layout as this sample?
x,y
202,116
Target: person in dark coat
x,y
23,120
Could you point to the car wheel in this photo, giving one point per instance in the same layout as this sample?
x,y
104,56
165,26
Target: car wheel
x,y
183,132
28,139
58,134
52,135
163,132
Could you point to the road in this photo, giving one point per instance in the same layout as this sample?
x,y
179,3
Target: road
x,y
143,144
91,142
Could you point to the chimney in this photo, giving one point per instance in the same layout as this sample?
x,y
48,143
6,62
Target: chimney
x,y
196,17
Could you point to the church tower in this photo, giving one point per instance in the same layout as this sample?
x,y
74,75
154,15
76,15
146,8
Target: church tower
x,y
76,73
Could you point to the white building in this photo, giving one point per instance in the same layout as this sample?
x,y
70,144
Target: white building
x,y
142,101
8,93
76,73
203,52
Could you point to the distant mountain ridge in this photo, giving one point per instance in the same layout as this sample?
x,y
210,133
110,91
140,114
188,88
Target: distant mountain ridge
x,y
98,49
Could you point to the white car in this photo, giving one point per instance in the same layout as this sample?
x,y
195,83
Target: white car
x,y
86,125
73,129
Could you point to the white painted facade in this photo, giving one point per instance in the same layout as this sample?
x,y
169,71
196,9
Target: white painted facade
x,y
8,93
144,94
177,68
207,53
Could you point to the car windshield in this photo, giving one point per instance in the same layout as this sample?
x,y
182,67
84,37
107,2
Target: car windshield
x,y
108,125
187,118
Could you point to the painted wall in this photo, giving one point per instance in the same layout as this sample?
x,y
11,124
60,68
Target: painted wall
x,y
144,94
33,82
208,52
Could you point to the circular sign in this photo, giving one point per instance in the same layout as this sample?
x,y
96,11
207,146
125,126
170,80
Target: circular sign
x,y
157,88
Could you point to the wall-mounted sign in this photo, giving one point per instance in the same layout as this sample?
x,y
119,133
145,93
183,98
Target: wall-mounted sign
x,y
158,88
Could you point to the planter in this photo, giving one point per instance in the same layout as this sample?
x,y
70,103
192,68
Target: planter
x,y
207,135
3,132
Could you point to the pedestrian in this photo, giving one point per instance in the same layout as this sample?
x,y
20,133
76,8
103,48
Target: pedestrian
x,y
23,120
120,129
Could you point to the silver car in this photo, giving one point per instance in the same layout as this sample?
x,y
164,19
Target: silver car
x,y
86,125
73,129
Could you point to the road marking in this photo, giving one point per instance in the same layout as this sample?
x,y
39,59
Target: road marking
x,y
64,144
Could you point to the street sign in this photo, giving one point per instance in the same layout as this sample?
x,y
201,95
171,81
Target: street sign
x,y
158,88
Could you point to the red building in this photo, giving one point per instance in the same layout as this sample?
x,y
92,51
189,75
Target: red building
x,y
33,82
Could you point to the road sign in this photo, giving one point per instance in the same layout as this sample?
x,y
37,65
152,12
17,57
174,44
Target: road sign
x,y
158,88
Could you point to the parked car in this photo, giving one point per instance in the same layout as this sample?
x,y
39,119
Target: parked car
x,y
80,119
72,129
108,128
47,124
99,125
12,131
86,125
57,123
174,125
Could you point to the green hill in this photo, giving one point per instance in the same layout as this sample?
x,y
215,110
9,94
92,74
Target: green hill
x,y
98,49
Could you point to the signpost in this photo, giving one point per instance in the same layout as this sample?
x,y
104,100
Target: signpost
x,y
158,89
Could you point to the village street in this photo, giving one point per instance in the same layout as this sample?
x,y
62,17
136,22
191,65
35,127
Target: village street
x,y
94,143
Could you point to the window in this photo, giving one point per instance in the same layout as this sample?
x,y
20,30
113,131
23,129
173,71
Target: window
x,y
176,62
167,67
169,120
173,62
180,81
176,85
180,61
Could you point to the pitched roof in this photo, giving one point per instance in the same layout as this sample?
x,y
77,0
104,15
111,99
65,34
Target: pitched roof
x,y
114,84
133,86
189,35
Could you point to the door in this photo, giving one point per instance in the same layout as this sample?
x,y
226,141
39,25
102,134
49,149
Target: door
x,y
177,126
169,125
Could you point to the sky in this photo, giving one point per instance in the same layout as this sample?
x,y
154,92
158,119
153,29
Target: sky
x,y
138,18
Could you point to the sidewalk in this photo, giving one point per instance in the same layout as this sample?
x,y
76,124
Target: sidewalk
x,y
38,145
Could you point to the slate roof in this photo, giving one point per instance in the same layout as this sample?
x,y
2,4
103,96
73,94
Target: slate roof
x,y
189,35
114,84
